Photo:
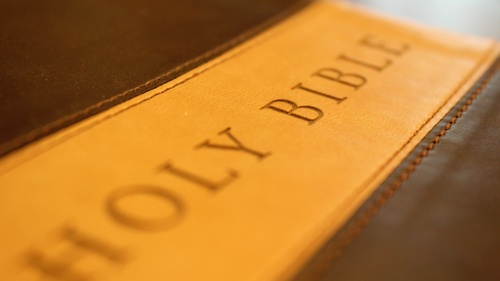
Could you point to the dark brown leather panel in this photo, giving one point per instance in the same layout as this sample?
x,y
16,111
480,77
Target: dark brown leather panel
x,y
62,61
444,221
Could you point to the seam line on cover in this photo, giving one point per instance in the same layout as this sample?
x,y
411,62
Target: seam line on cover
x,y
355,228
468,77
156,82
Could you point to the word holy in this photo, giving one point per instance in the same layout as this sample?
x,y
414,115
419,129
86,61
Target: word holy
x,y
71,246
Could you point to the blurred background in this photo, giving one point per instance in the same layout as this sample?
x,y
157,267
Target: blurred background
x,y
478,17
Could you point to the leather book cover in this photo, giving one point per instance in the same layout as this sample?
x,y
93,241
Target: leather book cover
x,y
244,140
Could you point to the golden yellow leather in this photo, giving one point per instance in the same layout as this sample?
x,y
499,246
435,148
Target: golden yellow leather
x,y
241,168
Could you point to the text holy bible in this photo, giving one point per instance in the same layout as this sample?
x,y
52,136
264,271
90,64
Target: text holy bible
x,y
241,164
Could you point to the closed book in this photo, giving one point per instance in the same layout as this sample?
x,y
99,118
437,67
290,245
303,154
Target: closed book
x,y
244,140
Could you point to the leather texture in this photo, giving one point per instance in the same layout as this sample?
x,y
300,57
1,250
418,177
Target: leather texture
x,y
443,222
252,188
90,55
440,222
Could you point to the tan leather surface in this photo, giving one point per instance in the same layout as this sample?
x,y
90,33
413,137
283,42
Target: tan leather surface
x,y
63,61
247,188
444,222
441,219
436,216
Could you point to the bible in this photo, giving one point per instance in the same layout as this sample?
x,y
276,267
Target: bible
x,y
208,140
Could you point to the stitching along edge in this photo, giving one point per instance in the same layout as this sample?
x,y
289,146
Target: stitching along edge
x,y
353,229
65,121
